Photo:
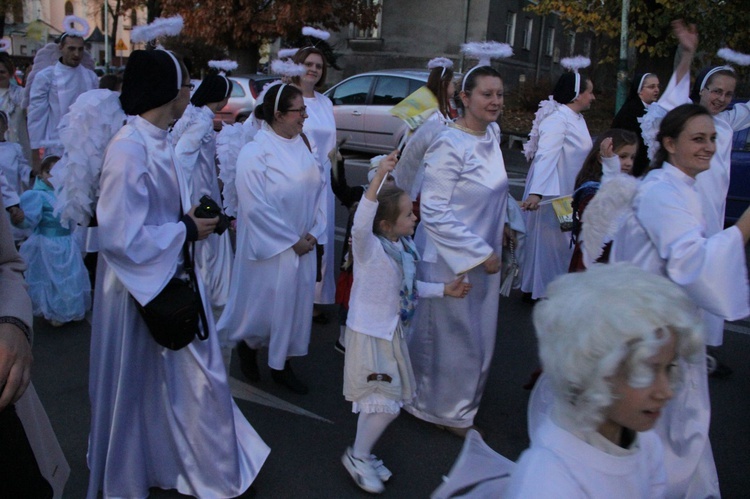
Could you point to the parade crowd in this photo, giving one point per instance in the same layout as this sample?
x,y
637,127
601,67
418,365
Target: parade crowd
x,y
121,196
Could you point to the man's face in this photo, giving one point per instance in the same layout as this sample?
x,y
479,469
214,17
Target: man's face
x,y
72,51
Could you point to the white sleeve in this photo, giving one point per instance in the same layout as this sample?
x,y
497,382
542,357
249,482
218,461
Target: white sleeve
x,y
39,108
544,175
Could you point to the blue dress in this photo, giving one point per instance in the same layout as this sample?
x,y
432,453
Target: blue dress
x,y
58,281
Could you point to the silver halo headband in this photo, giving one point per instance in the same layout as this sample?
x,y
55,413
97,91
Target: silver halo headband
x,y
577,87
713,72
643,79
278,96
226,80
179,69
466,76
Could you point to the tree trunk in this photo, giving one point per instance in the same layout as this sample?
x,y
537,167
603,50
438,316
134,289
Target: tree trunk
x,y
113,34
247,58
154,10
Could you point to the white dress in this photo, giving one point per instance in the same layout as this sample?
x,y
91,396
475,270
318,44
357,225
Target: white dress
x,y
11,99
564,142
666,234
560,464
320,129
280,193
159,418
463,209
196,153
52,92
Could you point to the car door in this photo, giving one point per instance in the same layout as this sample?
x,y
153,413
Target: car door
x,y
349,99
383,130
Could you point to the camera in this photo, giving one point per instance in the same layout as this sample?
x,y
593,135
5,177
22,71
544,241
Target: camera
x,y
208,208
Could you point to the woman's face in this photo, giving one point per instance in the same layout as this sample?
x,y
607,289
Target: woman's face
x,y
626,154
182,99
718,93
650,89
4,76
313,69
692,150
484,103
585,98
289,124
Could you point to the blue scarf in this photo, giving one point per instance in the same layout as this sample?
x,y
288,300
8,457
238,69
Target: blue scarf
x,y
406,259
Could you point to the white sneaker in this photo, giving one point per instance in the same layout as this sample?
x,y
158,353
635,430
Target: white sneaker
x,y
362,472
383,473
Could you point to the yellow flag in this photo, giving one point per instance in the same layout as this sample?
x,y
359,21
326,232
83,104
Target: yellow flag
x,y
416,108
564,210
37,31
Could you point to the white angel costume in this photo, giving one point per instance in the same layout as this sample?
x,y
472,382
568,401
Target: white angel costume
x,y
320,129
463,209
280,199
11,100
564,142
713,184
17,173
564,463
195,148
52,92
666,234
159,418
410,172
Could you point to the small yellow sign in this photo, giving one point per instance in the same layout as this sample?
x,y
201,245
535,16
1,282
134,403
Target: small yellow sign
x,y
121,45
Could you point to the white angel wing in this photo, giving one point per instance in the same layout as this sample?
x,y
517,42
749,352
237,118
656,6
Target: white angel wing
x,y
409,172
93,119
229,143
546,107
650,123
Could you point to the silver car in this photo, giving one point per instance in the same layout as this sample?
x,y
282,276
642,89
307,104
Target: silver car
x,y
361,106
245,89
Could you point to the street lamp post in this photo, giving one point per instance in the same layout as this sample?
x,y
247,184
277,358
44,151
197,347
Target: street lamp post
x,y
622,68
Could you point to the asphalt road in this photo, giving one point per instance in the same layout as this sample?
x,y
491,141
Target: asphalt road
x,y
308,433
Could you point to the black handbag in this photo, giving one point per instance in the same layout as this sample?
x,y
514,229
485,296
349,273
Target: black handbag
x,y
173,315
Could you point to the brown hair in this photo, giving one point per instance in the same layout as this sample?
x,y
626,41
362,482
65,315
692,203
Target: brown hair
x,y
438,82
301,56
388,210
591,170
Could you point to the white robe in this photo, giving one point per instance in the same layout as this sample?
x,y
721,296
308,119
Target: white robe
x,y
564,142
11,99
560,464
17,170
52,92
666,234
463,208
196,153
320,129
280,193
159,418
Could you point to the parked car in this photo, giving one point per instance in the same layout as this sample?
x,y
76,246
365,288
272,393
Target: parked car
x,y
738,196
361,106
245,89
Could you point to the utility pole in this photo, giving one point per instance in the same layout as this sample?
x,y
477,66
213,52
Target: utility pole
x,y
106,36
622,68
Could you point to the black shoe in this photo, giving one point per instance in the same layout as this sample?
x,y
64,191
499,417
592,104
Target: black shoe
x,y
339,347
248,362
287,378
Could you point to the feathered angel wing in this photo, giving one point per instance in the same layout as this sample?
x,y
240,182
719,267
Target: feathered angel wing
x,y
45,57
650,123
229,143
546,107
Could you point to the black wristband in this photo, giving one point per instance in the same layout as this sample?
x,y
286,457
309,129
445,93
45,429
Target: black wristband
x,y
19,324
192,229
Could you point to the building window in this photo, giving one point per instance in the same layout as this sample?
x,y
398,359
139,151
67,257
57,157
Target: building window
x,y
68,8
549,47
571,43
371,32
510,28
527,33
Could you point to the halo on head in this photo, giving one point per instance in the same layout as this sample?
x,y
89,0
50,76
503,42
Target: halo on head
x,y
287,53
316,33
163,26
4,45
224,66
574,64
287,68
69,27
440,62
485,52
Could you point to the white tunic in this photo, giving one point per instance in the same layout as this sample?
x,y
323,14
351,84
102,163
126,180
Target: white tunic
x,y
159,418
559,464
196,153
320,129
463,208
666,234
279,187
52,92
10,102
564,142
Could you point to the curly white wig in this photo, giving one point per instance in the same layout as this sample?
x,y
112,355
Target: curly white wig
x,y
594,322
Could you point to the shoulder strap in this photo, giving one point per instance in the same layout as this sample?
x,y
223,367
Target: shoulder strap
x,y
307,141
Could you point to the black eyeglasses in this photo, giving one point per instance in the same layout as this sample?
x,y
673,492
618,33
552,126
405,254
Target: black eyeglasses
x,y
191,86
302,110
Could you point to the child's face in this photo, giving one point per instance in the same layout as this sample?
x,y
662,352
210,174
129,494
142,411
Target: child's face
x,y
639,408
626,154
404,225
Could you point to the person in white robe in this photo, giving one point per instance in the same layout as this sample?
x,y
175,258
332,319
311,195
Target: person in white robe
x,y
564,141
320,129
666,233
463,209
195,147
159,417
52,92
280,218
610,340
11,100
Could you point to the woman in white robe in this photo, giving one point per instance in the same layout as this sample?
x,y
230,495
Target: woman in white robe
x,y
159,417
196,152
463,209
666,234
11,99
564,142
320,129
280,219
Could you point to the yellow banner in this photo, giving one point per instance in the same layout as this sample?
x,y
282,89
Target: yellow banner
x,y
416,108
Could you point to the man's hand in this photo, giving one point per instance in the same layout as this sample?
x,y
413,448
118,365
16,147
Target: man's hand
x,y
15,364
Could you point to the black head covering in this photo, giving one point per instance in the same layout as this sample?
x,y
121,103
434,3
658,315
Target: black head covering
x,y
213,88
152,78
635,85
565,89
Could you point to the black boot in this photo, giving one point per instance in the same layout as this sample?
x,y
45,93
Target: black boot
x,y
248,362
287,378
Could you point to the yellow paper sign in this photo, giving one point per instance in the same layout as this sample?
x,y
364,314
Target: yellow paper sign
x,y
416,108
563,207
